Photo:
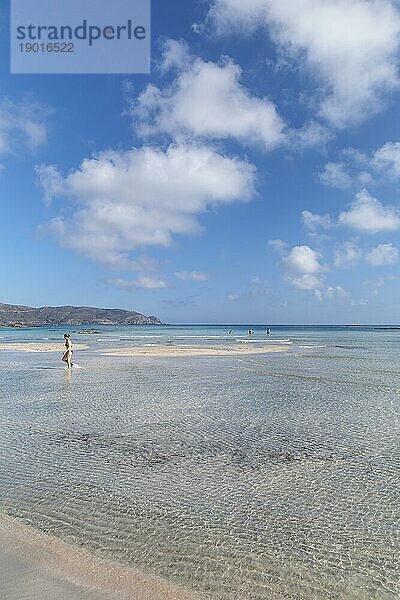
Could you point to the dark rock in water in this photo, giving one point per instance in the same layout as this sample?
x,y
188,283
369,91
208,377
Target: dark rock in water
x,y
25,316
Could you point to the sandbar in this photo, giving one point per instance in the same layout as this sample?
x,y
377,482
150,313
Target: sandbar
x,y
174,351
35,565
38,347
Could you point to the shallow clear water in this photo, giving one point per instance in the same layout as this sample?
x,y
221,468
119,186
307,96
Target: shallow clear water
x,y
248,477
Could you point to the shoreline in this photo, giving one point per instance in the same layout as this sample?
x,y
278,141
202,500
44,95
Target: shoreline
x,y
38,565
38,347
179,351
151,351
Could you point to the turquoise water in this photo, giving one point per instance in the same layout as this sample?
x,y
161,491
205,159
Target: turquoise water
x,y
249,477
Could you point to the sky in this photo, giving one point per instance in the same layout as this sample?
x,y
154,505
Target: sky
x,y
252,177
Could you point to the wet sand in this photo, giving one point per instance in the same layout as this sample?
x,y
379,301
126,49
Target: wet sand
x,y
37,566
174,351
38,347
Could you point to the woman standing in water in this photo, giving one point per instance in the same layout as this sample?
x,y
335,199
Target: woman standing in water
x,y
68,352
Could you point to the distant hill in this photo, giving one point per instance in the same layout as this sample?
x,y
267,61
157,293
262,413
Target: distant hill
x,y
25,316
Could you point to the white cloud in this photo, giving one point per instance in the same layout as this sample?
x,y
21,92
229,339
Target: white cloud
x,y
361,168
305,282
364,178
120,202
143,281
311,134
376,284
368,215
353,169
207,100
228,15
359,302
123,284
334,175
313,221
381,165
175,55
383,254
387,159
304,270
22,125
337,292
191,276
350,46
150,283
279,246
347,255
303,259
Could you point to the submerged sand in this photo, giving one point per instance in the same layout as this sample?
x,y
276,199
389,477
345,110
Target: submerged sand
x,y
38,566
38,347
173,351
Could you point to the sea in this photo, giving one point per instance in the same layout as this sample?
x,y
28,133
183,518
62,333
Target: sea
x,y
249,477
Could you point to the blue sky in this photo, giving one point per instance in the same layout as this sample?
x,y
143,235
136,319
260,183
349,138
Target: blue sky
x,y
252,177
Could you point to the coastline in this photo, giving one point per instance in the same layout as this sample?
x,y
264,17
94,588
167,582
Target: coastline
x,y
38,565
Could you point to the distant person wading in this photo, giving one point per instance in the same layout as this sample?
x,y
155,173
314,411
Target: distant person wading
x,y
67,357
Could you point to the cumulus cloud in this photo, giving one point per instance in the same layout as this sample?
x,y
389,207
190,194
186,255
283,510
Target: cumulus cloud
x,y
347,255
376,284
303,259
387,159
143,281
21,125
176,55
368,215
365,214
354,168
383,254
311,134
207,100
348,45
334,175
304,269
229,15
359,301
313,221
191,276
279,246
122,202
305,281
358,167
337,292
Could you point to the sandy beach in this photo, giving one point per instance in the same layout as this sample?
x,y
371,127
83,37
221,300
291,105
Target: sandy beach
x,y
175,351
38,347
38,566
